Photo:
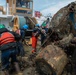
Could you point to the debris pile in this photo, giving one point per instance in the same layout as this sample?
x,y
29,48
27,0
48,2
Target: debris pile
x,y
57,56
61,21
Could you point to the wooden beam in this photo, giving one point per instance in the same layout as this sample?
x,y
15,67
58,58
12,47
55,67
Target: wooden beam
x,y
10,6
24,14
14,6
19,8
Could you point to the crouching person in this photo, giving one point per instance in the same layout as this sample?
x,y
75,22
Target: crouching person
x,y
8,50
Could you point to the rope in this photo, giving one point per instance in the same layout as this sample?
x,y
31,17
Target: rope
x,y
31,20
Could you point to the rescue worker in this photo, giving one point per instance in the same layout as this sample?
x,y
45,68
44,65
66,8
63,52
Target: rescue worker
x,y
43,34
35,34
8,49
23,31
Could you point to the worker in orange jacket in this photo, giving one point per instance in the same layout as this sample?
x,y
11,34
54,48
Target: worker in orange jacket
x,y
8,49
35,35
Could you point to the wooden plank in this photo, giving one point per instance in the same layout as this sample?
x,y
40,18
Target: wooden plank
x,y
14,6
19,8
25,15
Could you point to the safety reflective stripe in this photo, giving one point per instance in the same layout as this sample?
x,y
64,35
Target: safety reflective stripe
x,y
7,41
6,37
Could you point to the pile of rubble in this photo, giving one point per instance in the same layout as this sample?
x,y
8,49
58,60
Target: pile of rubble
x,y
56,57
60,21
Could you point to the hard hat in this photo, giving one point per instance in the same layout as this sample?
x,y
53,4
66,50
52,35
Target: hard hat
x,y
2,26
25,26
44,24
37,25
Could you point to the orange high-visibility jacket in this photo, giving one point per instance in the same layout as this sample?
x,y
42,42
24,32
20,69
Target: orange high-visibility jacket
x,y
34,42
6,37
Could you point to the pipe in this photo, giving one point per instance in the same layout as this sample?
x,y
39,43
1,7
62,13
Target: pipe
x,y
7,7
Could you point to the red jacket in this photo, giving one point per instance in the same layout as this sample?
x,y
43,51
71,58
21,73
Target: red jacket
x,y
6,38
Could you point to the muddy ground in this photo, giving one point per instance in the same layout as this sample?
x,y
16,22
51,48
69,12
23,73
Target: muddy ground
x,y
28,67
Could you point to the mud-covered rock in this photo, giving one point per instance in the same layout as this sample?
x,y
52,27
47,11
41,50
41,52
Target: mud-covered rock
x,y
51,60
61,21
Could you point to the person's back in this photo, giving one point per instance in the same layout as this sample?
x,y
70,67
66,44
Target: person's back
x,y
8,49
23,31
35,34
6,37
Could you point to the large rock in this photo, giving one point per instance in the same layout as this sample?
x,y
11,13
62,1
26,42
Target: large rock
x,y
60,21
